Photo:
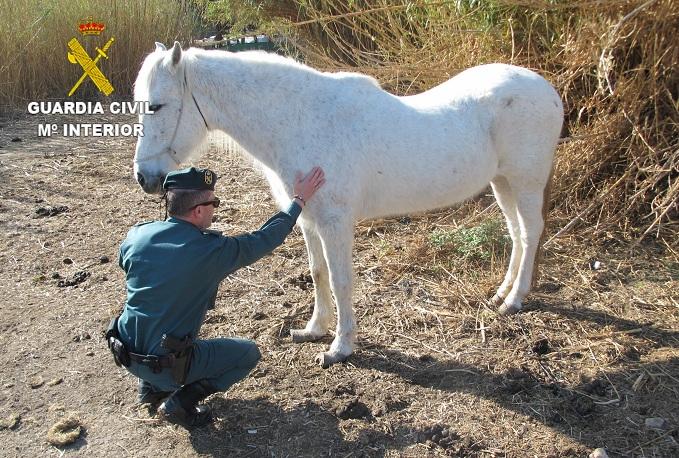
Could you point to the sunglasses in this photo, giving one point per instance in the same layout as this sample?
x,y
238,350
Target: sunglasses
x,y
214,202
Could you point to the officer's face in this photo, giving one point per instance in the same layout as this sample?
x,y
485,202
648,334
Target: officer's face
x,y
204,213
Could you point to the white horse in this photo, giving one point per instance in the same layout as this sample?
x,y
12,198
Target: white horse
x,y
382,154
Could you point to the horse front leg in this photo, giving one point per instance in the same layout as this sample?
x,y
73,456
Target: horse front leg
x,y
319,323
338,244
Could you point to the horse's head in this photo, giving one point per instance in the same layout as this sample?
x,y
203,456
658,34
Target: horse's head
x,y
175,127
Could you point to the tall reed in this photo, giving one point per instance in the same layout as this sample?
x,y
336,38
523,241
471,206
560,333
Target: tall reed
x,y
34,36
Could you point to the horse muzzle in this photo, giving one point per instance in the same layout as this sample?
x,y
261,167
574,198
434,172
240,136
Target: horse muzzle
x,y
150,184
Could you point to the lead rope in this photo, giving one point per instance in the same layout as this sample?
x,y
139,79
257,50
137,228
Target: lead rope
x,y
186,88
163,198
170,151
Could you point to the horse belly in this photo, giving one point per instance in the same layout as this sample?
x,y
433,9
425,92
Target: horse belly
x,y
426,182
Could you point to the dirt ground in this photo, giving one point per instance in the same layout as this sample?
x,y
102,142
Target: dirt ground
x,y
592,362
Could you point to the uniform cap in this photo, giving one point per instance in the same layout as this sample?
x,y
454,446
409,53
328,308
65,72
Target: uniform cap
x,y
191,178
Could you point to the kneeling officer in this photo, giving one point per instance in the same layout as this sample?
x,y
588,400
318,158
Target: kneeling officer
x,y
173,269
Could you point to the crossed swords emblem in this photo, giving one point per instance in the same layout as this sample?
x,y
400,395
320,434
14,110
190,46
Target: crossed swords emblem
x,y
89,65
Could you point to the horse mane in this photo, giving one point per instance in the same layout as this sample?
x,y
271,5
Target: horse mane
x,y
290,65
275,64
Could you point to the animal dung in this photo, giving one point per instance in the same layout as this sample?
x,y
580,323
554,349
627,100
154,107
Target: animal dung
x,y
66,431
36,382
10,422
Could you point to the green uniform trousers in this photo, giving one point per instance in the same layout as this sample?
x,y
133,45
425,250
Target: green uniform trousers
x,y
220,362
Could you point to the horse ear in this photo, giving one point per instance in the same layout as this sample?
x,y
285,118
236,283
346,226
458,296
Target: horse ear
x,y
176,53
160,47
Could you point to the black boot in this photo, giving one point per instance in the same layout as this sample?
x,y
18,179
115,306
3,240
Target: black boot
x,y
182,408
149,394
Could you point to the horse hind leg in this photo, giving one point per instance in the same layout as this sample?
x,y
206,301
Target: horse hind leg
x,y
529,206
318,325
507,203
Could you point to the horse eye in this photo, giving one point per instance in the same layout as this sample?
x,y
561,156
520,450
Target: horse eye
x,y
155,107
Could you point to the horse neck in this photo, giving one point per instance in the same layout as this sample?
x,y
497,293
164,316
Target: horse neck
x,y
250,100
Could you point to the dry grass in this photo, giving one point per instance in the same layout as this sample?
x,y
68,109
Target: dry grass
x,y
594,354
614,62
592,357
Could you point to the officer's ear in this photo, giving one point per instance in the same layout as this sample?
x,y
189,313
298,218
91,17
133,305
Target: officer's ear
x,y
200,209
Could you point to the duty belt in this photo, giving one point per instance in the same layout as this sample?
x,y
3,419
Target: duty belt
x,y
178,359
156,363
123,357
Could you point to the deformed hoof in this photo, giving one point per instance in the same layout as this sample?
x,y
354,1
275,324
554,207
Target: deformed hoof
x,y
302,335
325,360
506,309
497,300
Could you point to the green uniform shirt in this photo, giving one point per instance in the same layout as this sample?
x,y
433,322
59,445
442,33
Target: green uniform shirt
x,y
173,270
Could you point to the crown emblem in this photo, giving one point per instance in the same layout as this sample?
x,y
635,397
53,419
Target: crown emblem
x,y
90,27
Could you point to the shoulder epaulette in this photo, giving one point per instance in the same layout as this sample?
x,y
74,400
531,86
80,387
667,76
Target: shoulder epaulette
x,y
212,232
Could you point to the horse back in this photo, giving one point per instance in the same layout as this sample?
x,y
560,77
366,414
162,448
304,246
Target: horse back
x,y
446,144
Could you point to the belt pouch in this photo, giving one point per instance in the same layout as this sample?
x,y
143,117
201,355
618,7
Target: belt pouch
x,y
181,366
120,354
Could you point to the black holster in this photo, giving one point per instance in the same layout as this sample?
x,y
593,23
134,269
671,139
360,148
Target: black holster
x,y
182,350
120,353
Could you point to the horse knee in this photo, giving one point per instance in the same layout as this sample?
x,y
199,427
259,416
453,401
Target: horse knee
x,y
530,235
342,290
319,273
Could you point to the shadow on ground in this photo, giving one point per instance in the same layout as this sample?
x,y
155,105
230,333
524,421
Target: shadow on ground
x,y
259,428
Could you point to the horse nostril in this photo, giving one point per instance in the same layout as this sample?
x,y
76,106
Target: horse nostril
x,y
140,179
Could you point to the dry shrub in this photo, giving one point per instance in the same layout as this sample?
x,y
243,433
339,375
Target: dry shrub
x,y
614,62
